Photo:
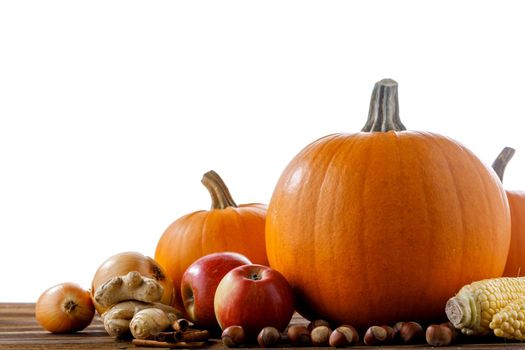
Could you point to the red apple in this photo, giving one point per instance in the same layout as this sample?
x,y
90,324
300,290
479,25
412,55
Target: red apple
x,y
199,282
254,296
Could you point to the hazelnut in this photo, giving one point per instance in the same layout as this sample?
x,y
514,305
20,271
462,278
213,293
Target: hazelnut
x,y
438,335
396,329
355,338
375,335
268,337
343,336
299,335
389,333
317,323
397,326
320,335
452,328
233,336
411,332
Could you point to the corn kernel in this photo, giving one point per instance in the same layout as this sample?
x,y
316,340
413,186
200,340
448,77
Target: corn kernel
x,y
497,319
486,316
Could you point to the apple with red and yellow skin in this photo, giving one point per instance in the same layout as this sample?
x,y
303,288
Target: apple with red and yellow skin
x,y
199,282
254,296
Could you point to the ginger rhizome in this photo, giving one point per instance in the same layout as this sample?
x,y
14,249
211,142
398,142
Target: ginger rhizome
x,y
118,320
132,286
133,303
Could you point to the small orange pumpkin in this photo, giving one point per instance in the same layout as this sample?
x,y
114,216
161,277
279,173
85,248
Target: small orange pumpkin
x,y
385,224
226,227
515,265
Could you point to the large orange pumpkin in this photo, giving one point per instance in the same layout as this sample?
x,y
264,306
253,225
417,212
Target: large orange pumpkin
x,y
386,224
226,227
515,265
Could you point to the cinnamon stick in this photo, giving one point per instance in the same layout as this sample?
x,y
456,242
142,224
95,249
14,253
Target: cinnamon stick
x,y
195,336
168,337
181,324
163,344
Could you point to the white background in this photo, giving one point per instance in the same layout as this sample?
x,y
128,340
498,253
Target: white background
x,y
111,111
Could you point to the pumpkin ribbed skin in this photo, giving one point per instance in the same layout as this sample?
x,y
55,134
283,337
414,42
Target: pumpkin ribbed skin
x,y
516,260
377,227
226,227
192,236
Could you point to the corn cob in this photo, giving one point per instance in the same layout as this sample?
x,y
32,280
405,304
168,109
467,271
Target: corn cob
x,y
510,321
472,309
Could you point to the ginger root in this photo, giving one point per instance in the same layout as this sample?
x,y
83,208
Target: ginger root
x,y
132,286
117,319
149,322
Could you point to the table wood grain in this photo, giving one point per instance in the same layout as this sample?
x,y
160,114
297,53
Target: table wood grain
x,y
19,330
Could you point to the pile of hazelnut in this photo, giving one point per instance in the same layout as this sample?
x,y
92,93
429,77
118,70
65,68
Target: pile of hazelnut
x,y
319,333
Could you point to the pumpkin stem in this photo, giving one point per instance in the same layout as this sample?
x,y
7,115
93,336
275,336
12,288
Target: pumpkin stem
x,y
502,160
383,114
220,195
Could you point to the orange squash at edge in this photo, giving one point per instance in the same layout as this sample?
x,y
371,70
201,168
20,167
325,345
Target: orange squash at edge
x,y
386,224
515,266
225,227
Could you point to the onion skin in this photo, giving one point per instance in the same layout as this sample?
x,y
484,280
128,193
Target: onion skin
x,y
64,308
122,263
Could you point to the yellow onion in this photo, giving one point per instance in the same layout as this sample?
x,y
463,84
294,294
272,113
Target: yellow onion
x,y
122,263
64,308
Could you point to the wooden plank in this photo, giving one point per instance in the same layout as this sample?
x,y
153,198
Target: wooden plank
x,y
19,330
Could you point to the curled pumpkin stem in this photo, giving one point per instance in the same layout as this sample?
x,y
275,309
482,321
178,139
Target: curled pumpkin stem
x,y
501,162
220,195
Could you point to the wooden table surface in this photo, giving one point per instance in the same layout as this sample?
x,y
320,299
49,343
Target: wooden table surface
x,y
19,330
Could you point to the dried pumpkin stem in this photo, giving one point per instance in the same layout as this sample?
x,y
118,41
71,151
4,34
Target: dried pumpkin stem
x,y
220,195
383,114
502,160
